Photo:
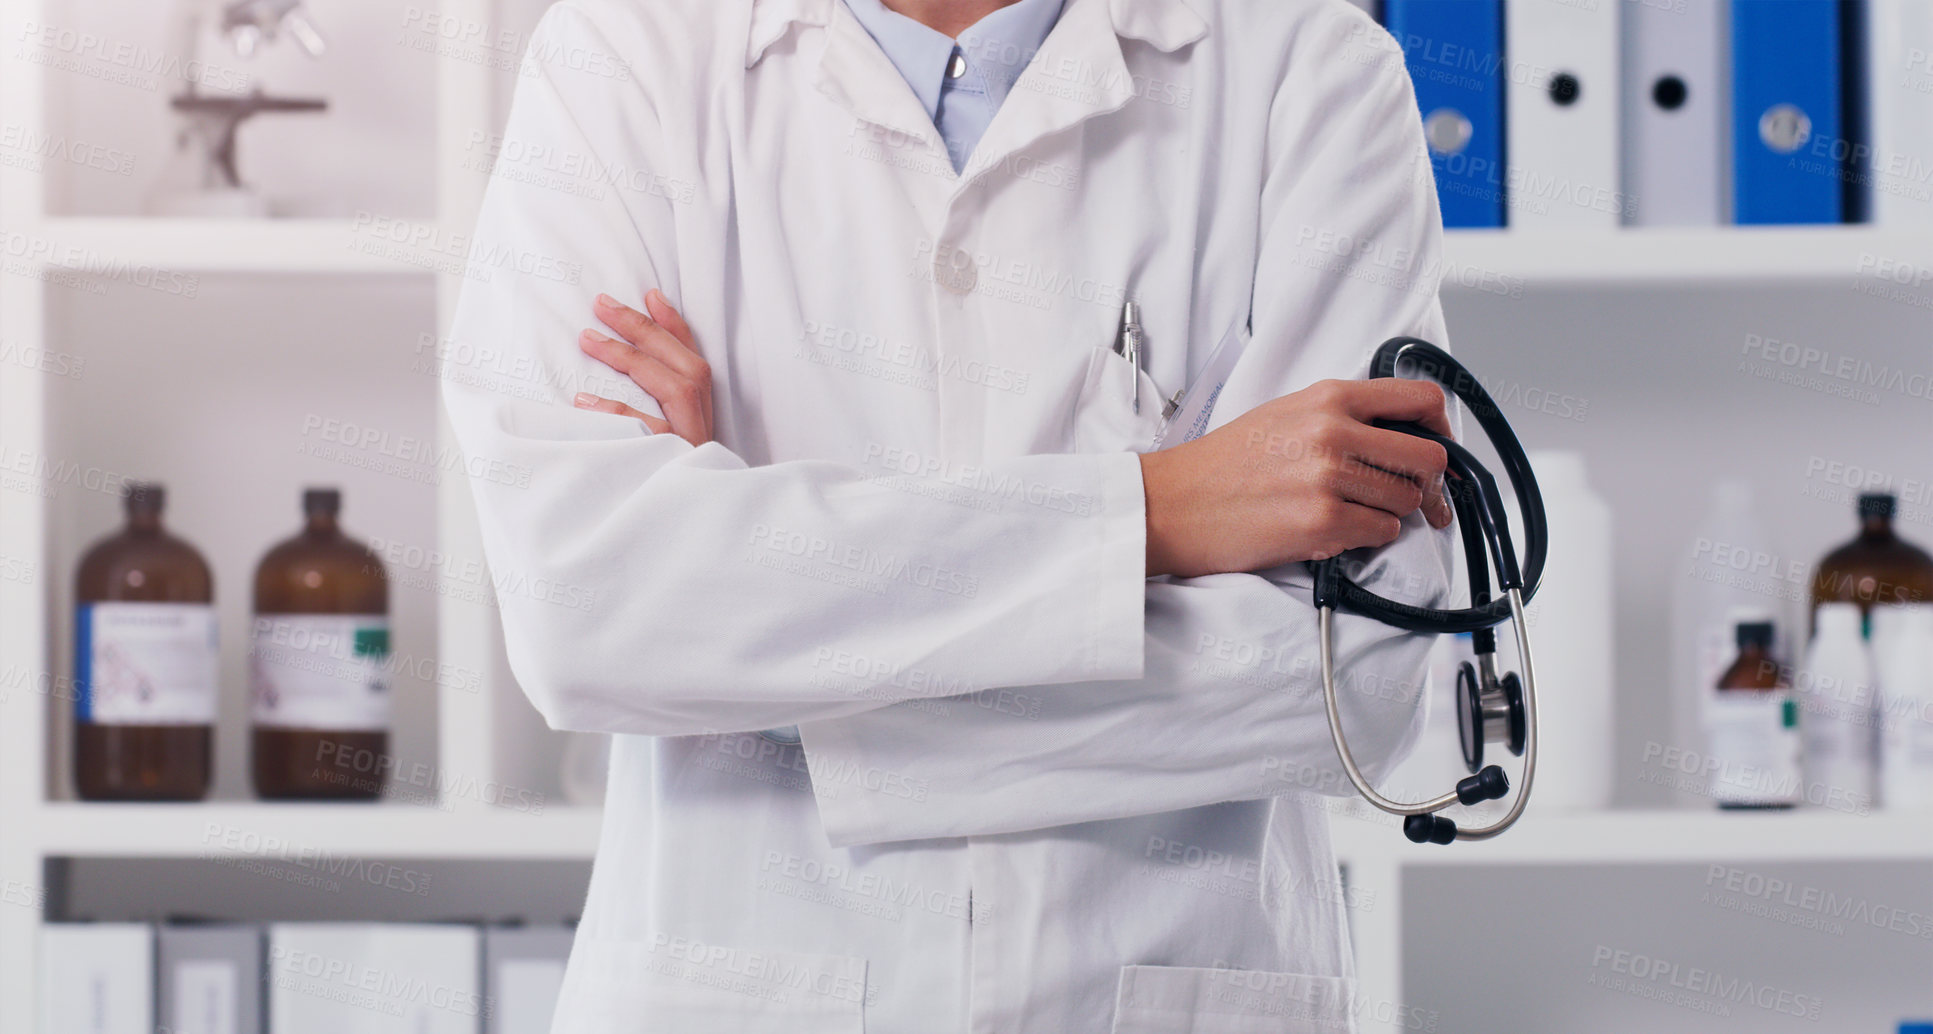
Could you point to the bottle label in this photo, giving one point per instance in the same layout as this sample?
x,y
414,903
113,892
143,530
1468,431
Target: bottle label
x,y
1840,726
1755,743
146,663
320,671
1906,752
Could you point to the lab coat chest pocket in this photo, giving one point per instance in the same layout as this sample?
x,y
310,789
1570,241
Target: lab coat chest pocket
x,y
1186,1000
1106,420
664,983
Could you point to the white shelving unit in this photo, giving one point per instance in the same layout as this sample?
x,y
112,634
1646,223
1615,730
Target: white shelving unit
x,y
1375,855
468,723
36,827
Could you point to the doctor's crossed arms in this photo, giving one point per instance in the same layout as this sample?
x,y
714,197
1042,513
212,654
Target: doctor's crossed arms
x,y
1302,477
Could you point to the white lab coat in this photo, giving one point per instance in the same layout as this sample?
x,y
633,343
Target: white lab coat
x,y
1039,793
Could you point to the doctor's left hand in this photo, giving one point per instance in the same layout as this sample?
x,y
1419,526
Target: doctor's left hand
x,y
658,354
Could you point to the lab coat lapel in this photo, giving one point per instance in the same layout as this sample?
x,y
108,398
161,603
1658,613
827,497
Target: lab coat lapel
x,y
1080,73
858,76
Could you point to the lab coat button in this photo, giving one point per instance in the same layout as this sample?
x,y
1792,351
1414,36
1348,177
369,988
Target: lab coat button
x,y
960,278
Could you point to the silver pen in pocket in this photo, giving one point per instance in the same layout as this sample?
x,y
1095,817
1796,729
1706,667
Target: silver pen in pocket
x,y
1130,347
1129,344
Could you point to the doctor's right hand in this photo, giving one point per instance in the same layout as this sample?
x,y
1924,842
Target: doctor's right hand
x,y
1303,477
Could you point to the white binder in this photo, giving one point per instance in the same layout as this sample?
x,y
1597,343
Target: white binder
x,y
97,978
375,978
1677,94
523,975
1561,110
1899,73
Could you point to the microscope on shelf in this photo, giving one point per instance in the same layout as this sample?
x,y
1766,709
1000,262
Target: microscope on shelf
x,y
211,119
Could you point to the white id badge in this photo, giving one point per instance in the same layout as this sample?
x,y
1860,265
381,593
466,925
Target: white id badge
x,y
1190,420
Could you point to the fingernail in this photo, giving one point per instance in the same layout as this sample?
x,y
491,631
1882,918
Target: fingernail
x,y
583,400
609,302
592,335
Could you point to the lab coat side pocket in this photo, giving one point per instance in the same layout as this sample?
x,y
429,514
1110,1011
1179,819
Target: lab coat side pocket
x,y
1187,1000
661,983
1106,420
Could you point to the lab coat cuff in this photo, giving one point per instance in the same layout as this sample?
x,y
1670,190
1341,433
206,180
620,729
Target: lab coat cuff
x,y
850,817
1120,581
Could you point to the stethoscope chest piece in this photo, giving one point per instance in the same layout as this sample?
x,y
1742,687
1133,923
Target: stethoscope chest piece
x,y
1488,710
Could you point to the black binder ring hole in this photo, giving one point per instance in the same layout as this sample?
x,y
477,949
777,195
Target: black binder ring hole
x,y
1564,89
1670,93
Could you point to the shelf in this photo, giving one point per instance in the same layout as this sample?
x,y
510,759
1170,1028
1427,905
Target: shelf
x,y
365,244
284,832
1501,261
1684,836
1494,261
406,831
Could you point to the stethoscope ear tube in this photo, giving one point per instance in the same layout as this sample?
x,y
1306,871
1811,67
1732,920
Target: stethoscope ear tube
x,y
1485,527
1465,474
1484,524
1439,366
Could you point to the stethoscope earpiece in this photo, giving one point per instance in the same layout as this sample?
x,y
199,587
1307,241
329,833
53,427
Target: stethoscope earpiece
x,y
1429,829
1487,785
1490,708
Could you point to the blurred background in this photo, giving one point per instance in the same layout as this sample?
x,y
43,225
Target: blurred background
x,y
1690,249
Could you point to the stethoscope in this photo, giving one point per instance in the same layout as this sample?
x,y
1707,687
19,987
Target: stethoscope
x,y
1489,708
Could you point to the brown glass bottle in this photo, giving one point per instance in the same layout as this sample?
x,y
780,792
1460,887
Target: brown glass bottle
x,y
1755,727
318,679
1755,669
146,665
1877,567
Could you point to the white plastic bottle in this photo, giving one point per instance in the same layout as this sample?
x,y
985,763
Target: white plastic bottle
x,y
1837,712
1570,621
1730,566
1903,658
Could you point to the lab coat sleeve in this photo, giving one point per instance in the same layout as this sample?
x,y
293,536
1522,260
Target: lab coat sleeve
x,y
651,587
1230,705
